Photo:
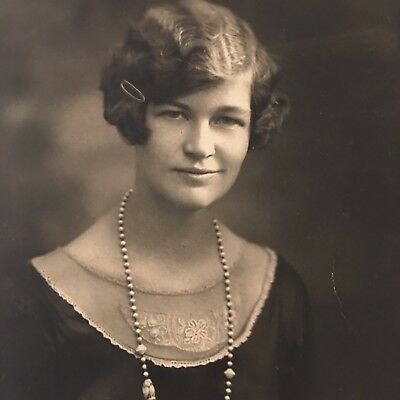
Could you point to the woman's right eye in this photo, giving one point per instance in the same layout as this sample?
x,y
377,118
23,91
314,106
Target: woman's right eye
x,y
173,114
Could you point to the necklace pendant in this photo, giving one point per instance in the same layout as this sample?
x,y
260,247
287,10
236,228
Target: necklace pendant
x,y
229,373
149,393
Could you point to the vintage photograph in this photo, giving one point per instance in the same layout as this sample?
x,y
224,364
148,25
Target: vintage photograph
x,y
199,200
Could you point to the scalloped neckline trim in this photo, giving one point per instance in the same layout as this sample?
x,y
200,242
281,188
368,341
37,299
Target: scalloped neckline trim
x,y
239,340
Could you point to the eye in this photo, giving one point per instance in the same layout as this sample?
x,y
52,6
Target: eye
x,y
173,114
228,121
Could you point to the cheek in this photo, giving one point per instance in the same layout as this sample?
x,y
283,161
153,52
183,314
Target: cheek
x,y
161,147
236,152
164,137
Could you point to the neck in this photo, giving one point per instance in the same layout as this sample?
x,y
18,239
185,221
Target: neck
x,y
156,226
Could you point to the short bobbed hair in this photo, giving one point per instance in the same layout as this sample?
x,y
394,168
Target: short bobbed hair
x,y
181,48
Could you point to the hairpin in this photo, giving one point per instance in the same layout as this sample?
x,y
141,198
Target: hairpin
x,y
132,91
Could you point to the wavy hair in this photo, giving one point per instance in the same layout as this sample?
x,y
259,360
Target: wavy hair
x,y
180,48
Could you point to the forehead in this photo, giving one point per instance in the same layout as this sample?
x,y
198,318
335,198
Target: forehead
x,y
233,91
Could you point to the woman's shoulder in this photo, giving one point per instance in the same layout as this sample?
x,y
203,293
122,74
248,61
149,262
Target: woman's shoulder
x,y
288,280
96,248
269,271
254,254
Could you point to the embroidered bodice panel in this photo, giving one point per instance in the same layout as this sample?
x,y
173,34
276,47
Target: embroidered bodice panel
x,y
193,332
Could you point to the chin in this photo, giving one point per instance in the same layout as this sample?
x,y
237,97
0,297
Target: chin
x,y
192,200
192,204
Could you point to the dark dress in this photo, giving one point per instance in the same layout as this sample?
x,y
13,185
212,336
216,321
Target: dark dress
x,y
50,352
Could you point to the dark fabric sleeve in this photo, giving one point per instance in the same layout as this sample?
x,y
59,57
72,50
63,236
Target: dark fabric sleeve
x,y
27,339
295,335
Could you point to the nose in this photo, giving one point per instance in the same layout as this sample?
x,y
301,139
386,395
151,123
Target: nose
x,y
199,141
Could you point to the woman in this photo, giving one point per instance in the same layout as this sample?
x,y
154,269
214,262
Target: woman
x,y
158,298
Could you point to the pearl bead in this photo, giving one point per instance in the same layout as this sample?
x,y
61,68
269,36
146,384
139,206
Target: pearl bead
x,y
227,398
230,348
138,331
228,383
228,390
143,359
229,363
230,341
130,286
128,278
122,235
144,366
135,315
228,297
145,374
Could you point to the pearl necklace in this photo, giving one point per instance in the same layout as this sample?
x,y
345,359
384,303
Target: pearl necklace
x,y
140,351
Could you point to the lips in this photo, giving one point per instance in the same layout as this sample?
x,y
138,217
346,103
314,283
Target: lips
x,y
197,171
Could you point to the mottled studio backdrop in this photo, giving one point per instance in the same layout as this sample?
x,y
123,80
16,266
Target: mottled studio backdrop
x,y
323,194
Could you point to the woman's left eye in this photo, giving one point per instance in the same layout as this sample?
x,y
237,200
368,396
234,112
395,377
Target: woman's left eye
x,y
229,121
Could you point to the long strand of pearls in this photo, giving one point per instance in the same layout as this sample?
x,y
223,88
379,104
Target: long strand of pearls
x,y
140,351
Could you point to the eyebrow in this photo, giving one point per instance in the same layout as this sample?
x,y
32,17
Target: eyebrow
x,y
235,109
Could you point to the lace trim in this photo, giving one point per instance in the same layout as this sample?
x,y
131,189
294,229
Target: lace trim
x,y
191,332
181,363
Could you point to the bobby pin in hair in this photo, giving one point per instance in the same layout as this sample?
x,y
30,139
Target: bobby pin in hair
x,y
132,91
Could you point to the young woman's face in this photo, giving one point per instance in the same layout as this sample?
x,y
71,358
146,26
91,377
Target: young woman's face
x,y
197,144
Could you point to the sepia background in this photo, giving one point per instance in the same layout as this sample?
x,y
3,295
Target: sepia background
x,y
323,194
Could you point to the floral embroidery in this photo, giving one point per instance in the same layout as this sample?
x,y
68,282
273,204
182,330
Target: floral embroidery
x,y
195,331
155,326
